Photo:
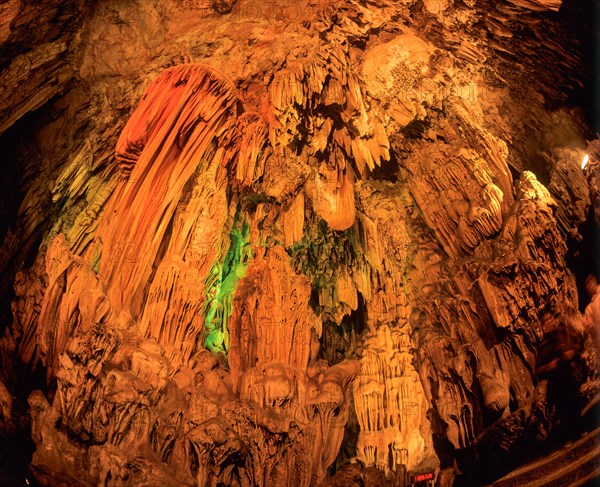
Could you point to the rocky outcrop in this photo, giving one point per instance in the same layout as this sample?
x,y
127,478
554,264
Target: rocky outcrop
x,y
129,350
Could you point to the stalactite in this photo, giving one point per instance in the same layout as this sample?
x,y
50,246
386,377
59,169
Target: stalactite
x,y
304,254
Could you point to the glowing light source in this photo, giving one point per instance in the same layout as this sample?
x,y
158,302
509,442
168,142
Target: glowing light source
x,y
585,161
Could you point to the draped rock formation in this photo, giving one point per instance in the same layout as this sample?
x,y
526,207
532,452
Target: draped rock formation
x,y
291,245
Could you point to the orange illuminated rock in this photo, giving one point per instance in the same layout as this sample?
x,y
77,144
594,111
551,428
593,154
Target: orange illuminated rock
x,y
290,247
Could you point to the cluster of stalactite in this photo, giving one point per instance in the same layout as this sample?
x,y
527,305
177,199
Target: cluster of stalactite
x,y
180,300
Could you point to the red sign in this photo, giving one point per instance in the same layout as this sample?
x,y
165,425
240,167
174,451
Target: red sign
x,y
422,477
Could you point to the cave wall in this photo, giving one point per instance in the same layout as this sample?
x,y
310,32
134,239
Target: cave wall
x,y
252,242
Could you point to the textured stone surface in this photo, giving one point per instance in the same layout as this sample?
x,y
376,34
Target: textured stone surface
x,y
290,244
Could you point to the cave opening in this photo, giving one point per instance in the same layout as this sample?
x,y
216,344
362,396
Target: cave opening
x,y
20,151
341,341
582,257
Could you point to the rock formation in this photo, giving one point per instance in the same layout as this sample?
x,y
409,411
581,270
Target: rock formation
x,y
272,244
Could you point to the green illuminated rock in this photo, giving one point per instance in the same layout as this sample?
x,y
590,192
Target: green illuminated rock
x,y
221,284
